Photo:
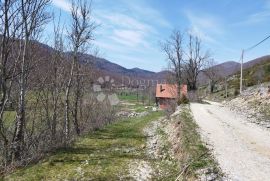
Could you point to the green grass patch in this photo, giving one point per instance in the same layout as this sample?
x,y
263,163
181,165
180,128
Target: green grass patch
x,y
139,108
196,155
134,98
134,106
129,97
9,117
101,155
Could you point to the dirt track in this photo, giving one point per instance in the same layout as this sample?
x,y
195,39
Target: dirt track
x,y
241,148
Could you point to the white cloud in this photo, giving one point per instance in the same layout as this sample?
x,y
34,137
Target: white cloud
x,y
257,17
129,29
204,26
126,30
124,21
196,31
128,37
147,13
62,4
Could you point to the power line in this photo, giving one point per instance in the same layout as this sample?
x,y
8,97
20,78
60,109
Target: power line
x,y
250,48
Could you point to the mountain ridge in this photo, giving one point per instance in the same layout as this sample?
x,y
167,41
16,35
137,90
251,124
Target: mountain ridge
x,y
107,67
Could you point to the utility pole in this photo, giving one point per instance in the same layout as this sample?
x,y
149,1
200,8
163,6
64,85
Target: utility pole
x,y
226,88
242,59
241,76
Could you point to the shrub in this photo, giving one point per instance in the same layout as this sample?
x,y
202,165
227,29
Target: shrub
x,y
267,68
183,100
251,82
236,92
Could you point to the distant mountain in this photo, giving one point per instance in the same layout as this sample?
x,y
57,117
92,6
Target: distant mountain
x,y
224,69
109,67
251,63
227,68
102,66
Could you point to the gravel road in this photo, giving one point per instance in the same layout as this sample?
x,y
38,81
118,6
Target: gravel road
x,y
242,149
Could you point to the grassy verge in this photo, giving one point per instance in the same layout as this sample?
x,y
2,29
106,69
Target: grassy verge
x,y
196,158
101,155
168,167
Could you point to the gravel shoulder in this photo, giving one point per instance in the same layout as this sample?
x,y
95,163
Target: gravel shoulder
x,y
241,148
159,163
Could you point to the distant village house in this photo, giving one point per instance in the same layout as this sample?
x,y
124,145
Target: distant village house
x,y
166,93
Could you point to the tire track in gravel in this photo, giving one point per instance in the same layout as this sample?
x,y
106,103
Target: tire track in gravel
x,y
242,149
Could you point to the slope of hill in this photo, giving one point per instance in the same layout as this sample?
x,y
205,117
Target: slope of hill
x,y
227,68
103,67
107,66
251,69
259,60
257,73
223,70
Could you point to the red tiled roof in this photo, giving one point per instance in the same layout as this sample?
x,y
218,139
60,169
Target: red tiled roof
x,y
169,90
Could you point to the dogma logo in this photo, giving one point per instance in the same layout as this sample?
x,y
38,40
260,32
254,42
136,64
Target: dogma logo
x,y
104,89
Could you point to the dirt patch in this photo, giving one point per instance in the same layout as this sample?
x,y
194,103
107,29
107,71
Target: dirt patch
x,y
159,162
131,114
140,170
154,140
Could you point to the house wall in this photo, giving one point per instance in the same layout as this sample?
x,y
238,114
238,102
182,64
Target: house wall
x,y
169,95
184,90
164,103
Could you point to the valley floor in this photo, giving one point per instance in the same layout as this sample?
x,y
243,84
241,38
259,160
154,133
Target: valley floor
x,y
147,145
121,151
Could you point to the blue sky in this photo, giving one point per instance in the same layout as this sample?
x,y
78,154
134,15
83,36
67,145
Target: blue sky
x,y
130,30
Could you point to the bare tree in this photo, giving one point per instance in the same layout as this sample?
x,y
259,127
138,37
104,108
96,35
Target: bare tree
x,y
80,35
33,16
213,73
52,83
57,76
10,24
196,60
259,75
174,52
33,78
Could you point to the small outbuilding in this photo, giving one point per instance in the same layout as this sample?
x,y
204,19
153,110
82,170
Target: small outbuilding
x,y
167,93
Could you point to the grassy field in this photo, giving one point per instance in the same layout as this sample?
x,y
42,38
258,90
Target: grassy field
x,y
108,153
133,97
102,155
129,97
135,105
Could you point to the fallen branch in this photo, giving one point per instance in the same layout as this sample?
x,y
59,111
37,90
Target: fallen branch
x,y
188,165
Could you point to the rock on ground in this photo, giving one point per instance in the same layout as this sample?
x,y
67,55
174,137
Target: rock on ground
x,y
140,170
